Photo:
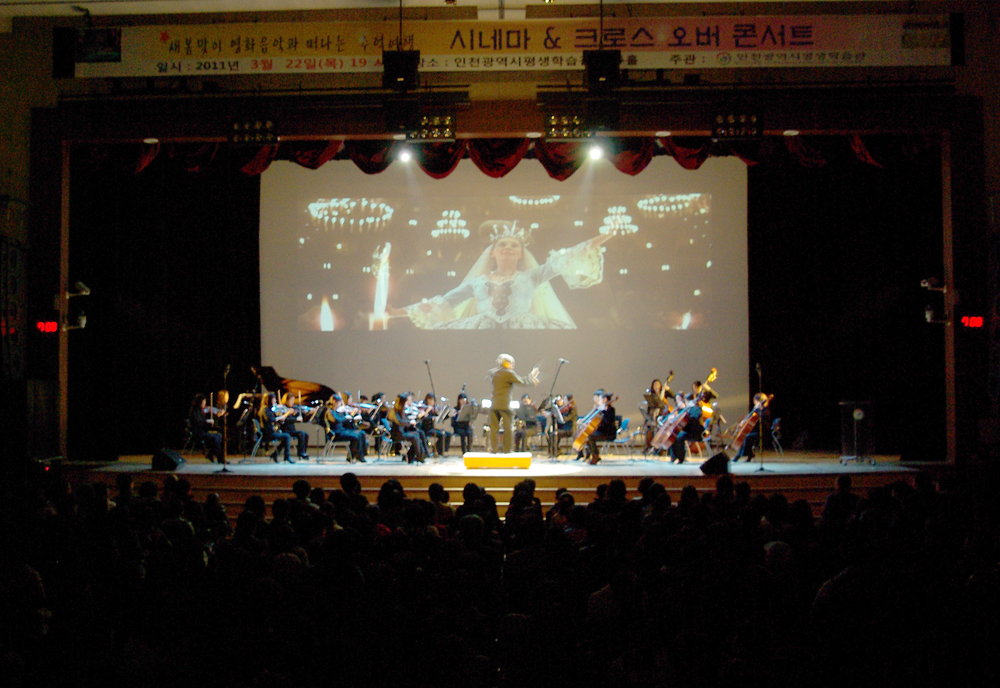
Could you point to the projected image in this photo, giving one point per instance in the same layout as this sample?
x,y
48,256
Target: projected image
x,y
507,288
441,261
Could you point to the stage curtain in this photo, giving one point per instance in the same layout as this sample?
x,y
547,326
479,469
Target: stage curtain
x,y
438,160
805,154
631,155
861,151
310,154
690,152
560,158
193,157
261,160
371,155
497,157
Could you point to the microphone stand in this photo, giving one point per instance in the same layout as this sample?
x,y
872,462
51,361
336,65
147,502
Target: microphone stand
x,y
760,423
554,429
225,424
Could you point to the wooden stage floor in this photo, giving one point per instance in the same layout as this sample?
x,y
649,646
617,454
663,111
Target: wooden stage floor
x,y
792,463
797,475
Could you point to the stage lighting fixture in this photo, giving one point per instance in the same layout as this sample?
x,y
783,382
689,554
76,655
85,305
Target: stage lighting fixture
x,y
565,125
405,155
737,121
581,122
596,152
253,131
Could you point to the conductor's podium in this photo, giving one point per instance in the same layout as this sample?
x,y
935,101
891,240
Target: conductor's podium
x,y
490,460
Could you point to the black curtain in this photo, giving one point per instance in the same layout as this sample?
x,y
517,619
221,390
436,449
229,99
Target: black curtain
x,y
171,257
836,256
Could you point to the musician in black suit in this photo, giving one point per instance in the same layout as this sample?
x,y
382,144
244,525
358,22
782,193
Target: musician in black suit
x,y
288,426
442,438
461,421
342,426
201,420
269,420
607,429
692,429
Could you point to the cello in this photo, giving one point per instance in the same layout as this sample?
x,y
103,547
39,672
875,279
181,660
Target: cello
x,y
589,424
749,422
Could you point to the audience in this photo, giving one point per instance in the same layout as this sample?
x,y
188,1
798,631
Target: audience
x,y
151,587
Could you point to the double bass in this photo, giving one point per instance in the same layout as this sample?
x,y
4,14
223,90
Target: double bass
x,y
749,422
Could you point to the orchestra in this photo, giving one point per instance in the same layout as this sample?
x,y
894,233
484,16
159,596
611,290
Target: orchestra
x,y
674,424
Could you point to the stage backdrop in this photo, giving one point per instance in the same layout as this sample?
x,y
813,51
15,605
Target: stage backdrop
x,y
344,254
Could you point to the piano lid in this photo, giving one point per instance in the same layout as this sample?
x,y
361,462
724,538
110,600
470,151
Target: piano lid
x,y
310,391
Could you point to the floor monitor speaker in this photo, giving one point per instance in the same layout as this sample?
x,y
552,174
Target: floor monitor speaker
x,y
716,465
167,460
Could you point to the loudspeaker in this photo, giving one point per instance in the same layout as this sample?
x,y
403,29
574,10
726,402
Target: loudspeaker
x,y
167,460
717,465
399,69
63,52
603,68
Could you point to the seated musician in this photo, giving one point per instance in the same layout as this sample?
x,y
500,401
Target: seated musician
x,y
753,440
288,425
202,422
656,405
270,415
606,430
403,428
526,421
343,425
377,416
442,438
461,421
692,428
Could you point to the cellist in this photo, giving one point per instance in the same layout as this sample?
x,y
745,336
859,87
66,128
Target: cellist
x,y
599,426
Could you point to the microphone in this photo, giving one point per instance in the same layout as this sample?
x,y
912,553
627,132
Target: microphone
x,y
563,360
759,369
427,361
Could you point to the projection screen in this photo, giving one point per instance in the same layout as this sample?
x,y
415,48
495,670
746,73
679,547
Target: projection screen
x,y
389,282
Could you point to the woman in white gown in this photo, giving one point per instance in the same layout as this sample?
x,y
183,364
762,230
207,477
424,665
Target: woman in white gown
x,y
508,289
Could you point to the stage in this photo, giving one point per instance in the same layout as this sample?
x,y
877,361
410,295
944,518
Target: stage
x,y
797,475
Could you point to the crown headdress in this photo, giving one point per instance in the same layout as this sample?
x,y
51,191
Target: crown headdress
x,y
498,229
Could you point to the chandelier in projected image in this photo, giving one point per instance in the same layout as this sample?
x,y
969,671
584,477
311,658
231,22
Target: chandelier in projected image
x,y
451,226
617,222
534,200
350,214
675,205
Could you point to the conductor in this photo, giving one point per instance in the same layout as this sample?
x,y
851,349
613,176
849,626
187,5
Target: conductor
x,y
504,378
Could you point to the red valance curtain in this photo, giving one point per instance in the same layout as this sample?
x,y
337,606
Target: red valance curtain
x,y
497,157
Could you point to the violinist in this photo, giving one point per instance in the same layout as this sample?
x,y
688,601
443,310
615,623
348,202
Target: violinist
x,y
288,420
343,424
402,428
378,417
606,428
461,421
270,416
202,422
442,438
